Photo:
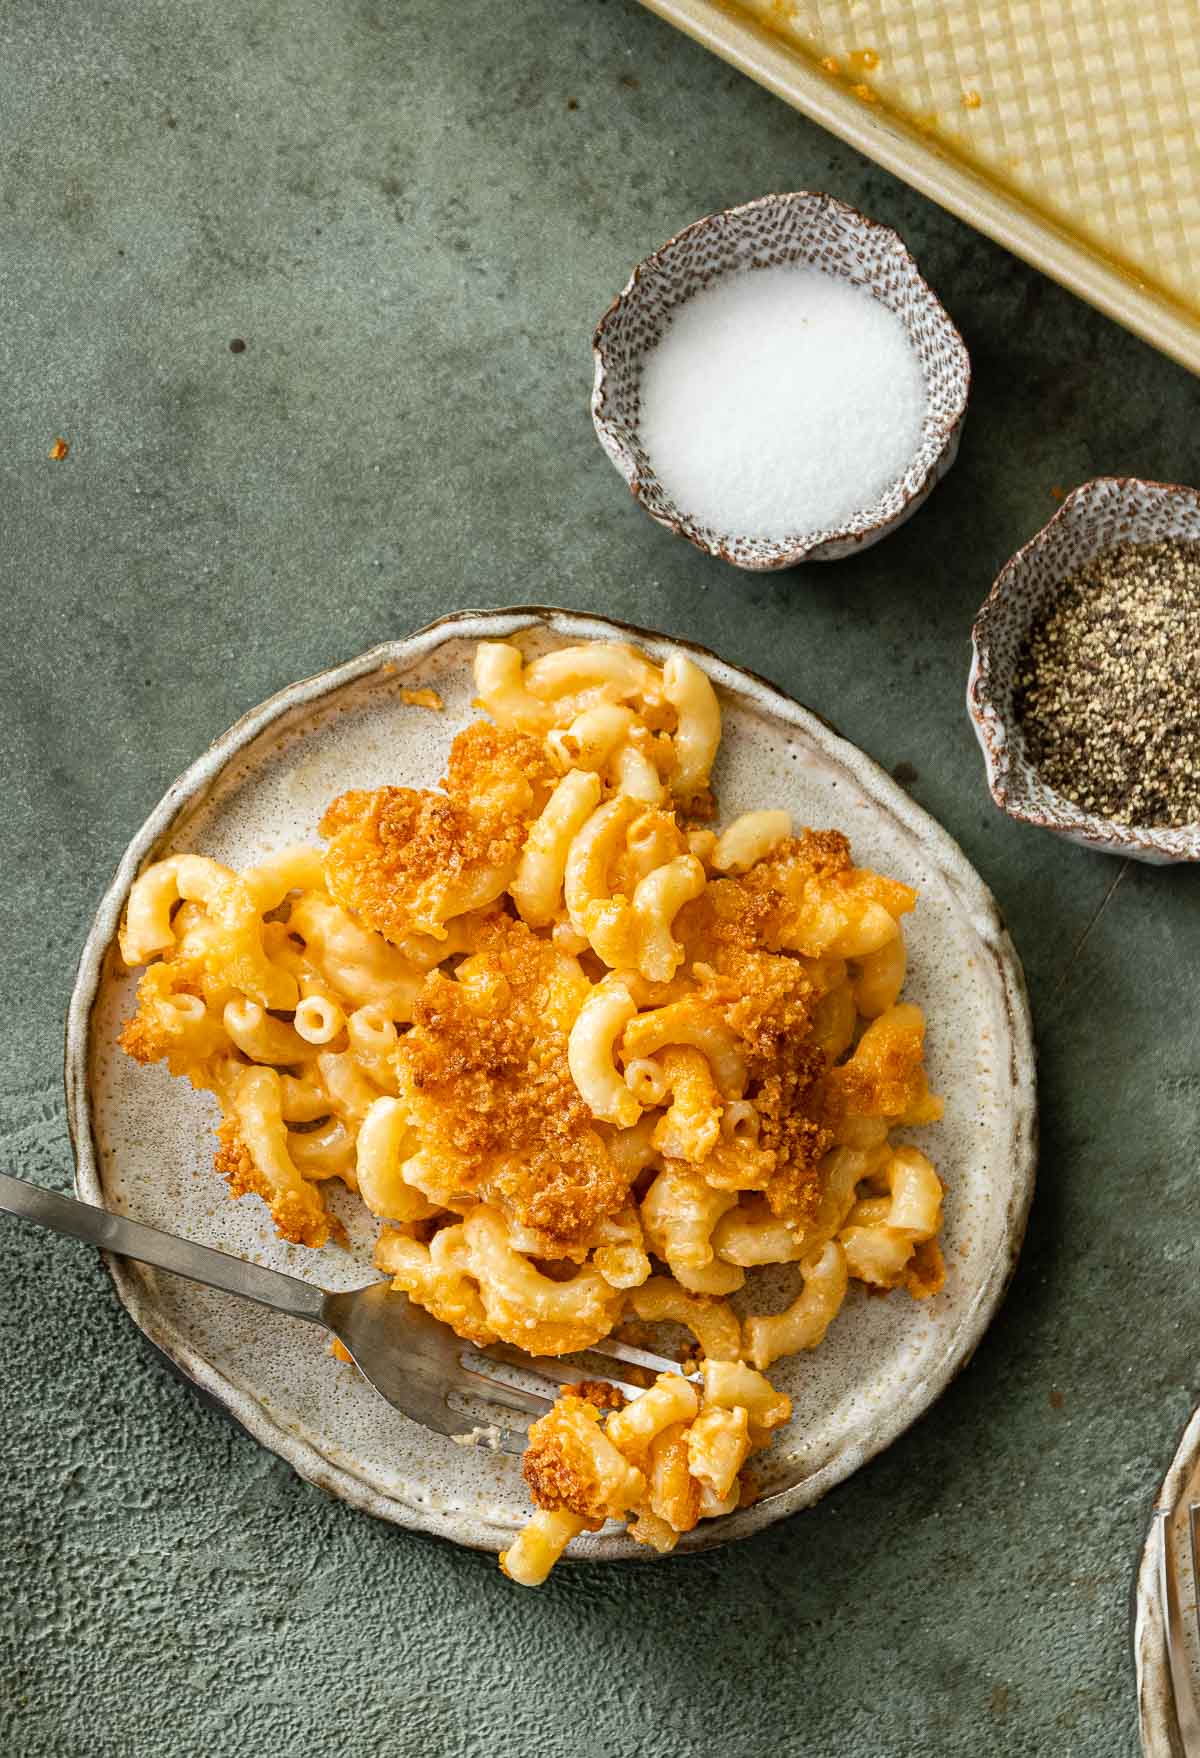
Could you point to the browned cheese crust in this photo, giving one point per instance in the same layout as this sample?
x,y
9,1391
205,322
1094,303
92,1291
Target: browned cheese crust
x,y
147,1036
766,999
886,1074
925,1274
402,858
559,1467
485,1070
820,861
602,1393
292,1220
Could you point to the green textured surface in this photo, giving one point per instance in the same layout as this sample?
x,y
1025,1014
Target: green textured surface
x,y
413,214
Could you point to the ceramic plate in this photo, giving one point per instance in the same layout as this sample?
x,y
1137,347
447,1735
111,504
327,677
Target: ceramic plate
x,y
144,1144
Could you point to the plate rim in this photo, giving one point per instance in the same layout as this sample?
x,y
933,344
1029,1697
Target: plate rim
x,y
1158,1724
472,1530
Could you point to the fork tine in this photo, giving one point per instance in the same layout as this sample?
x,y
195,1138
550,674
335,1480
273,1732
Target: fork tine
x,y
507,1396
497,1433
553,1371
513,1440
636,1357
499,1404
437,1413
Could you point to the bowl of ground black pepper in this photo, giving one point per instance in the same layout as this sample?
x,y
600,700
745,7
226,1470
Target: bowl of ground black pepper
x,y
1085,681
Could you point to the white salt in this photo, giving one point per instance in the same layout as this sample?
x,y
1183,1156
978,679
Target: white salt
x,y
781,401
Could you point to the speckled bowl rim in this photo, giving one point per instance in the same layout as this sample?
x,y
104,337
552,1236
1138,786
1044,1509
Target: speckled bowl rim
x,y
1086,828
1157,1720
834,545
1019,1153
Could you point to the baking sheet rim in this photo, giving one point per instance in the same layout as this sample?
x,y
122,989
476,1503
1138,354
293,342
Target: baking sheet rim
x,y
752,49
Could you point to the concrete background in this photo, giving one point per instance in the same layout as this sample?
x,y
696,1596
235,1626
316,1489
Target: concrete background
x,y
412,215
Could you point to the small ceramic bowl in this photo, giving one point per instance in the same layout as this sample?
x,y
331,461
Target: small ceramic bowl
x,y
826,234
1108,511
1168,1688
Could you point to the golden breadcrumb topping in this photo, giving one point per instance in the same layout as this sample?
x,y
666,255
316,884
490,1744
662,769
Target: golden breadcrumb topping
x,y
797,1139
497,772
925,1272
601,1393
152,1032
726,915
406,859
485,1073
806,871
560,1464
303,1224
767,1000
885,1077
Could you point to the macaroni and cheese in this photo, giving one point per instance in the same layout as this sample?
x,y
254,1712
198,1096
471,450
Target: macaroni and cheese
x,y
588,1059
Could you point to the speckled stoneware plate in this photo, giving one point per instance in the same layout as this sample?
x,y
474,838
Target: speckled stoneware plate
x,y
823,233
144,1146
1106,512
1159,1722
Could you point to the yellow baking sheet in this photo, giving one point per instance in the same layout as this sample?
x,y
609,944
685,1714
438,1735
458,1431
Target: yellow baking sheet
x,y
1069,131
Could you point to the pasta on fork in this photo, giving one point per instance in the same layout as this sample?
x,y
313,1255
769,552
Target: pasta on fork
x,y
588,1059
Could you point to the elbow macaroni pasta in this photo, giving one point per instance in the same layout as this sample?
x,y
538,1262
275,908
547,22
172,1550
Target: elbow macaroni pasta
x,y
668,1459
586,1060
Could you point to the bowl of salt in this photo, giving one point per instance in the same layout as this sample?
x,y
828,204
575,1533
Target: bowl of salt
x,y
778,384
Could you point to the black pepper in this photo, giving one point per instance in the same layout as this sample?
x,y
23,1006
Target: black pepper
x,y
1106,686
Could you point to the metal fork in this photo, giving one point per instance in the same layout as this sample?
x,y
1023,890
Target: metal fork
x,y
478,1397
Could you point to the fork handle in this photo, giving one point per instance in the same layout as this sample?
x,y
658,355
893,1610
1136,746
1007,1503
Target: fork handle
x,y
63,1214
